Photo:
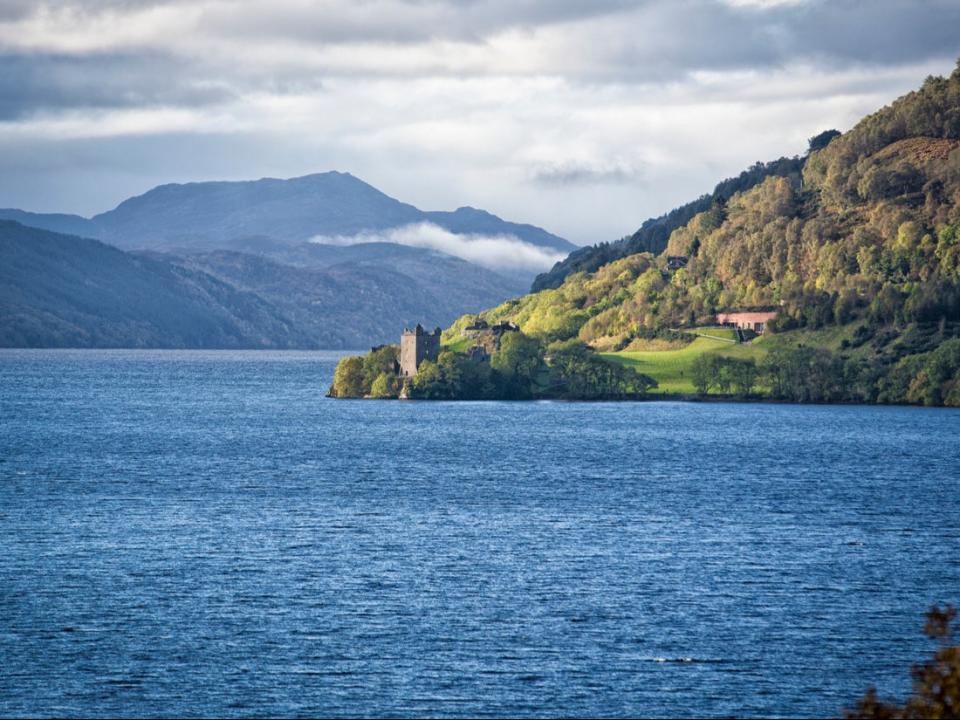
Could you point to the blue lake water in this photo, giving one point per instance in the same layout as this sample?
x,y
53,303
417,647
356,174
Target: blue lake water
x,y
203,533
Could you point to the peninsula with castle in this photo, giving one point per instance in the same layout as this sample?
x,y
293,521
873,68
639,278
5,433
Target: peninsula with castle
x,y
479,359
832,276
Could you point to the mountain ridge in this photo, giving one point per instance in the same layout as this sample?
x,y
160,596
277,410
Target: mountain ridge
x,y
214,214
60,290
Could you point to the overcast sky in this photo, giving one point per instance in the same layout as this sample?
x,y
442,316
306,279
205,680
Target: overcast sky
x,y
582,117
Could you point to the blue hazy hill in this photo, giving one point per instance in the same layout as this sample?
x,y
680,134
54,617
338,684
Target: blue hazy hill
x,y
60,290
212,215
54,222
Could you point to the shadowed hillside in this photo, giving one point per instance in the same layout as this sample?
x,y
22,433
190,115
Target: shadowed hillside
x,y
354,296
63,291
295,231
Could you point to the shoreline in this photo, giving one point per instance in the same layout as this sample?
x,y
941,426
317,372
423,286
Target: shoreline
x,y
674,397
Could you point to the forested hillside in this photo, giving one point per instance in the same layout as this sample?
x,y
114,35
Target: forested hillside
x,y
64,291
872,233
654,233
353,298
866,246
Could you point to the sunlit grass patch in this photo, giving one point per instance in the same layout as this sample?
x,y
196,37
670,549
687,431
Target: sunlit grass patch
x,y
459,344
672,369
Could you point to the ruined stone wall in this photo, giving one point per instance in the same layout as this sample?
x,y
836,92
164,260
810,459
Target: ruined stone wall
x,y
429,348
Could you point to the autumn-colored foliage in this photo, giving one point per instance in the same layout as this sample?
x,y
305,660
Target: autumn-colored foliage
x,y
936,681
868,234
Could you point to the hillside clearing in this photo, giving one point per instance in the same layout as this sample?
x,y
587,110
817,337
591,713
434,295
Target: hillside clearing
x,y
672,368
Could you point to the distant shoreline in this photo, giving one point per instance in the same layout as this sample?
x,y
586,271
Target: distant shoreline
x,y
653,397
677,398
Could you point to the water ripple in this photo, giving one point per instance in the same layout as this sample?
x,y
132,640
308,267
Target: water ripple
x,y
204,534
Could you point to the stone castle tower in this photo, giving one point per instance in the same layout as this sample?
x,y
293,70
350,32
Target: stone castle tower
x,y
416,346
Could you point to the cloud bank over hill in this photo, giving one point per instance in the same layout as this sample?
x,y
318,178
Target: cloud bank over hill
x,y
497,252
586,117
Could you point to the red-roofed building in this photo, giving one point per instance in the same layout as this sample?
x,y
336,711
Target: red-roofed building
x,y
755,321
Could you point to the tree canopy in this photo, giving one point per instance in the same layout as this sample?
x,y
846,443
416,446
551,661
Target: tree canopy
x,y
936,681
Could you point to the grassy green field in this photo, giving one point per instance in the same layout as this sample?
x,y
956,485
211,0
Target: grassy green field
x,y
721,333
671,368
459,344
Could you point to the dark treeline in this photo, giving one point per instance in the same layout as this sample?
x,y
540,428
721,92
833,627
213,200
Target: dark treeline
x,y
815,375
523,368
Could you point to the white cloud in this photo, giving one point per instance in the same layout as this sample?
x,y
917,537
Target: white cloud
x,y
583,118
586,172
513,146
497,252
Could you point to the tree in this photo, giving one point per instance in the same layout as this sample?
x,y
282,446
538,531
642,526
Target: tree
x,y
805,374
821,140
429,383
386,385
936,682
723,374
378,361
744,375
348,378
703,374
937,382
518,360
450,365
454,376
578,374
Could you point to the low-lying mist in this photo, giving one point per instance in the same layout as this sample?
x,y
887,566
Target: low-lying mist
x,y
497,252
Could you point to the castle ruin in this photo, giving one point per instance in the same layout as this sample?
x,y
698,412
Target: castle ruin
x,y
416,346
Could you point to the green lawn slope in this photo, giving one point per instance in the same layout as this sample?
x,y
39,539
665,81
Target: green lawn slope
x,y
672,368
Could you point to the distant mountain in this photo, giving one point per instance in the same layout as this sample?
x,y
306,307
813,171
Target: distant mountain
x,y
217,215
55,222
59,290
63,291
212,214
257,240
355,296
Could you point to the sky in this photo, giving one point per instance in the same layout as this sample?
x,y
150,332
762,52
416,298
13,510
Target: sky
x,y
585,118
